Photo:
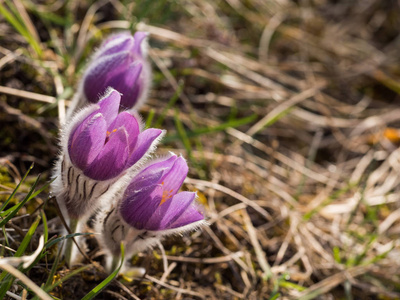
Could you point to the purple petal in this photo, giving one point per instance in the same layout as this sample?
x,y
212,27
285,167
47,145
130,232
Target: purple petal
x,y
115,44
151,175
141,205
83,124
84,145
173,180
170,210
109,106
190,215
111,160
144,142
126,79
145,180
139,37
99,72
131,125
163,166
116,36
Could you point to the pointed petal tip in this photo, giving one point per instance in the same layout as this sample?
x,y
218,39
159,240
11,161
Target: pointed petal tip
x,y
140,47
139,34
111,92
119,36
178,207
190,216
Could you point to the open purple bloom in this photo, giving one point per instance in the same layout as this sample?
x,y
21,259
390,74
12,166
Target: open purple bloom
x,y
99,147
120,63
152,202
106,142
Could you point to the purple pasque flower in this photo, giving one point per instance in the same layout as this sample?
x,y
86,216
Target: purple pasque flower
x,y
151,201
120,63
106,142
150,208
99,145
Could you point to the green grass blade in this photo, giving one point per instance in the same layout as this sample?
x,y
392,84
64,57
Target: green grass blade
x,y
8,211
171,102
7,282
3,229
41,189
93,293
65,278
51,274
12,20
20,27
48,286
46,15
25,242
182,134
206,130
291,285
57,240
53,270
28,197
45,227
150,117
16,189
274,297
336,254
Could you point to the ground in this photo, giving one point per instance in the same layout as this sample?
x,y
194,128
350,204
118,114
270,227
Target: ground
x,y
287,112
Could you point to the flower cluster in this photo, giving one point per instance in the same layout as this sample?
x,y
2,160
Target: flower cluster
x,y
104,170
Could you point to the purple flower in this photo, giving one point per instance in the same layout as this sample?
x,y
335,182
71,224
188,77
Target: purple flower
x,y
152,202
106,143
120,63
99,147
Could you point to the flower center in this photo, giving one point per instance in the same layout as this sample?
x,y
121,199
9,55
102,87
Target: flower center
x,y
166,195
108,133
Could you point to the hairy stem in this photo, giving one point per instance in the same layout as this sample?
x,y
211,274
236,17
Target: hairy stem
x,y
73,224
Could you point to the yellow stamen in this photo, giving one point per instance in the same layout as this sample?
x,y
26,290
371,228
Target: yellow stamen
x,y
166,196
108,132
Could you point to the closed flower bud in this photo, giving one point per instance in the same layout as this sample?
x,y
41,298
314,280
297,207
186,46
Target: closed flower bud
x,y
120,63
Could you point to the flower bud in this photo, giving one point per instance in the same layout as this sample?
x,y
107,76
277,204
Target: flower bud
x,y
120,63
151,208
152,202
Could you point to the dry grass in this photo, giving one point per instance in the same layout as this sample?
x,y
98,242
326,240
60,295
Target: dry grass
x,y
303,201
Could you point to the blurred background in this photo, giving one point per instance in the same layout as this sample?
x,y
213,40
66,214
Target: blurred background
x,y
287,112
